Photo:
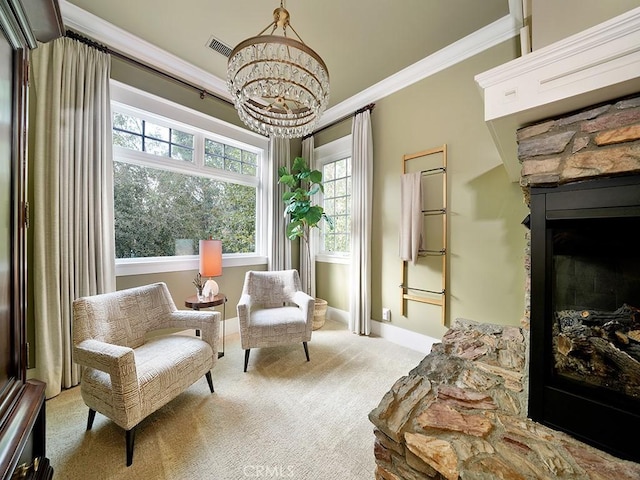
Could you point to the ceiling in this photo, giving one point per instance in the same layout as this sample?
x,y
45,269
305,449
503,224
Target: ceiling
x,y
361,41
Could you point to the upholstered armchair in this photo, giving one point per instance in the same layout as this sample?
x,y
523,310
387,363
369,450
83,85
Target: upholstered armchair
x,y
273,310
127,374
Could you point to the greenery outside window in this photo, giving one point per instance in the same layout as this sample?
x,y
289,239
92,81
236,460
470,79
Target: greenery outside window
x,y
176,183
337,203
334,160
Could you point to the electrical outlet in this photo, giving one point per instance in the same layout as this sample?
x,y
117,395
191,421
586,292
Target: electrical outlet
x,y
386,314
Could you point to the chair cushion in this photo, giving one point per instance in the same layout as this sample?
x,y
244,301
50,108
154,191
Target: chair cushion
x,y
166,366
269,327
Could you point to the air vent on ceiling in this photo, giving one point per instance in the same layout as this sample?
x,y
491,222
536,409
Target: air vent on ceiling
x,y
219,47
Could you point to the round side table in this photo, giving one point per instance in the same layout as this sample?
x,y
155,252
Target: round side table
x,y
210,302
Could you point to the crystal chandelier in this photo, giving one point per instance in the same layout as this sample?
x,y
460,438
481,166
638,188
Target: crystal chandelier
x,y
280,86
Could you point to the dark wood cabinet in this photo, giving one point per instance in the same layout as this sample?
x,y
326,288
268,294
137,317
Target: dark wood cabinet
x,y
22,406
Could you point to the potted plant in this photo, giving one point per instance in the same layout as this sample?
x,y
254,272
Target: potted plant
x,y
303,183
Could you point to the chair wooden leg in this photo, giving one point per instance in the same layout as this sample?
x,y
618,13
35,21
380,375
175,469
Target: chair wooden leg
x,y
209,380
130,437
92,416
246,358
306,350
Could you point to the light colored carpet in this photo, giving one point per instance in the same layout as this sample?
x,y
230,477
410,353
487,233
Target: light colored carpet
x,y
284,418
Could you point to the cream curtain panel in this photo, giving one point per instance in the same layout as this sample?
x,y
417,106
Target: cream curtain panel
x,y
308,272
361,215
72,220
280,254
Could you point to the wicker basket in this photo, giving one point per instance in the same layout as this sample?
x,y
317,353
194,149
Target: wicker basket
x,y
319,313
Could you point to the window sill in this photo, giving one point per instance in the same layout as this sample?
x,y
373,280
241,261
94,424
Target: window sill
x,y
141,266
345,260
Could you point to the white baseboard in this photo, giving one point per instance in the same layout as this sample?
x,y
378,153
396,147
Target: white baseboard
x,y
406,338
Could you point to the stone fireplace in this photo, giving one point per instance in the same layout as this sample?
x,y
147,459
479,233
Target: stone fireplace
x,y
580,177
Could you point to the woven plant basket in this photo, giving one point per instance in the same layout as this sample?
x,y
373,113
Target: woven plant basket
x,y
319,313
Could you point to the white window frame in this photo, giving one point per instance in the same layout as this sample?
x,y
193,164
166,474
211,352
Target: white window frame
x,y
138,103
330,152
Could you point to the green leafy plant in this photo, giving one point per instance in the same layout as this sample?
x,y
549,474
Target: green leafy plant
x,y
303,184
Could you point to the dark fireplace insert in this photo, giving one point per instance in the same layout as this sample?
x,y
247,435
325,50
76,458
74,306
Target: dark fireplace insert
x,y
584,370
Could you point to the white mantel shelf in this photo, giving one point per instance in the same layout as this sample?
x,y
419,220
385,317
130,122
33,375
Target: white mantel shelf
x,y
596,65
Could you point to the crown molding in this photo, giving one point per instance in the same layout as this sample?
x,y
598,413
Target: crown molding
x,y
596,65
126,43
122,41
497,32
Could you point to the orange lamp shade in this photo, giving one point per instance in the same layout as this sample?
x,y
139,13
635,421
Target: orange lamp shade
x,y
210,258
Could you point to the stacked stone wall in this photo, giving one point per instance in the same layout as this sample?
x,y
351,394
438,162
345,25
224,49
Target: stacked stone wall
x,y
600,141
461,414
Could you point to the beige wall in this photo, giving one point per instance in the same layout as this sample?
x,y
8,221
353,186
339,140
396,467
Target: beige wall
x,y
180,285
486,239
553,20
332,284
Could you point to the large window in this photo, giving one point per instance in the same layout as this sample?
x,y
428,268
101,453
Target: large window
x,y
335,162
176,183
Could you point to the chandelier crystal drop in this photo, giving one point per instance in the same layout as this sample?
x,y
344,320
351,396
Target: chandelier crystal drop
x,y
279,85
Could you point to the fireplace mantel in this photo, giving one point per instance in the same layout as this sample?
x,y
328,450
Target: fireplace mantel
x,y
590,67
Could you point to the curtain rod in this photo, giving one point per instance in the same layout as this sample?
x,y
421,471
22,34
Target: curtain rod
x,y
103,48
371,106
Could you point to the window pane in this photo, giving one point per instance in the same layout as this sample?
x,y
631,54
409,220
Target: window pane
x,y
329,242
340,224
156,131
232,153
214,161
181,138
342,244
214,148
127,122
329,206
181,153
341,187
158,213
156,147
249,170
233,166
341,168
127,140
329,172
329,189
250,158
341,206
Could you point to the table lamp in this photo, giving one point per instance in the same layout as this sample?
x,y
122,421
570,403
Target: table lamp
x,y
210,265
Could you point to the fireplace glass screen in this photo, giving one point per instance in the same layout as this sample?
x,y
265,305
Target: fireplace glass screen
x,y
596,306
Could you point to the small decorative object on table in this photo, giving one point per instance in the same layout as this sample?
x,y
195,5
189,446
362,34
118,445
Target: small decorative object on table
x,y
199,284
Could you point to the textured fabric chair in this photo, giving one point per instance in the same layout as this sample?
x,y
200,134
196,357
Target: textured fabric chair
x,y
128,375
273,310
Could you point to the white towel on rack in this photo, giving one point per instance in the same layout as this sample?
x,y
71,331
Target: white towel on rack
x,y
410,216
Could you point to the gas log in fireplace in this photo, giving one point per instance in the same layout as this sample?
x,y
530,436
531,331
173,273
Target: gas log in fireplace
x,y
585,311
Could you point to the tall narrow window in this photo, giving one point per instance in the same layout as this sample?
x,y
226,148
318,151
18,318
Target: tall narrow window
x,y
336,176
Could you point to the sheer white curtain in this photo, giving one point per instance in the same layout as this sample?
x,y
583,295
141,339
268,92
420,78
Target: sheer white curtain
x,y
280,254
361,204
72,216
307,261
